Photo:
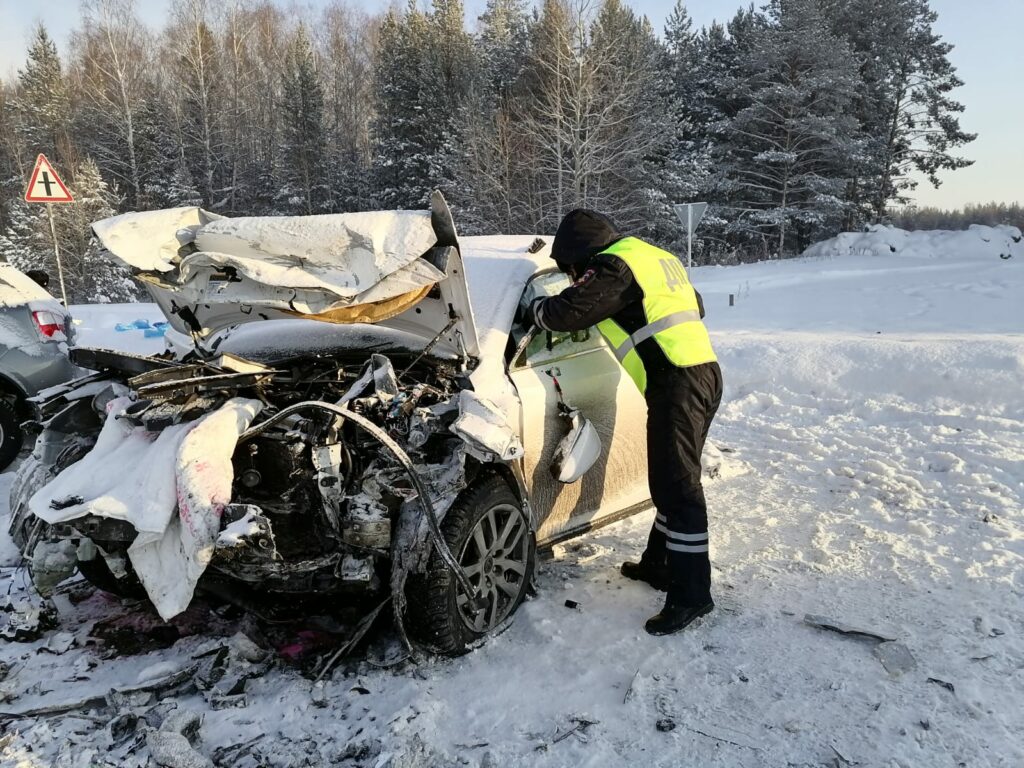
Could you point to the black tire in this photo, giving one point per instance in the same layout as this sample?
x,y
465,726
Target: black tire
x,y
438,614
98,573
11,436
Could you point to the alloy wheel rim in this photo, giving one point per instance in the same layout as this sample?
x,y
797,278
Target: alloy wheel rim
x,y
494,559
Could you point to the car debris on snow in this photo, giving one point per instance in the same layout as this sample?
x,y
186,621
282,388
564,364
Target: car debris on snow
x,y
25,619
943,683
578,725
881,634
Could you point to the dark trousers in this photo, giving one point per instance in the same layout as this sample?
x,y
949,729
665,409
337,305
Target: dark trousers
x,y
681,402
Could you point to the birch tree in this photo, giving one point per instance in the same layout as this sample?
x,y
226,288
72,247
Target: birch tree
x,y
198,79
113,61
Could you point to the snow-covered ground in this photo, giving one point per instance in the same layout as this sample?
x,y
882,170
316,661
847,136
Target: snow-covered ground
x,y
874,429
108,326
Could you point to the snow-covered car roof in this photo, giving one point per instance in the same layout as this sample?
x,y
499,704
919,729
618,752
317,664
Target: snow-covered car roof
x,y
17,288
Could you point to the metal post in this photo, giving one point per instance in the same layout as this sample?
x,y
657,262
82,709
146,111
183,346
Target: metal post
x,y
56,254
689,239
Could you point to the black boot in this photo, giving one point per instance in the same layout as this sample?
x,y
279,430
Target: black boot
x,y
654,575
676,616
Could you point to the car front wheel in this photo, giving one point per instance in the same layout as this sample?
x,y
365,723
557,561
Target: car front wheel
x,y
489,533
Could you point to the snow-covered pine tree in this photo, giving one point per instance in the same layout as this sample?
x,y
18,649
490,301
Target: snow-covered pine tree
x,y
489,190
503,45
41,105
402,151
93,275
160,157
908,118
791,147
303,136
679,164
424,72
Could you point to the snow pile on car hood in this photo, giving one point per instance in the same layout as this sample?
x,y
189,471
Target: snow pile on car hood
x,y
140,477
304,264
978,241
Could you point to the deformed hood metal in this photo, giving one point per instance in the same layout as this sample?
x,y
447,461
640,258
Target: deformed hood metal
x,y
401,269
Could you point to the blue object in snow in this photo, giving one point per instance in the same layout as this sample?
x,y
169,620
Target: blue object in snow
x,y
122,327
154,333
142,324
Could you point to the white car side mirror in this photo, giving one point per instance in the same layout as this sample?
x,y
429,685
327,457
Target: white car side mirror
x,y
578,450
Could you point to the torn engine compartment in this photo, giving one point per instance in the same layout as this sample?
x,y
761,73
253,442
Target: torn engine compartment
x,y
327,495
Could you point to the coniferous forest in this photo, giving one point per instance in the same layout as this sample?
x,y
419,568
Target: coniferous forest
x,y
795,120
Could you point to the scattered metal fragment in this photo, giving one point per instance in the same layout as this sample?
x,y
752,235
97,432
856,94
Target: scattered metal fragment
x,y
579,728
573,605
822,622
947,685
357,634
58,643
665,724
841,759
26,619
629,688
163,685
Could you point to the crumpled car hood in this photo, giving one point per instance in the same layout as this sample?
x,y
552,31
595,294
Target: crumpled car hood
x,y
400,269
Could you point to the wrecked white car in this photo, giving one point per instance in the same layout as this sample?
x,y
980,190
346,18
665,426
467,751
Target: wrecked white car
x,y
360,416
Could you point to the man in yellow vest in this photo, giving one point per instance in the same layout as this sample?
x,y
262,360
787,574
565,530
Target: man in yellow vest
x,y
642,302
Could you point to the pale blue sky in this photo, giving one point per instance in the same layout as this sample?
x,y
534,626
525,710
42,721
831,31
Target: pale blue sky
x,y
989,56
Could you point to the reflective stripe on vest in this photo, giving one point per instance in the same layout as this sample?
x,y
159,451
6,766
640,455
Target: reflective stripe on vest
x,y
670,307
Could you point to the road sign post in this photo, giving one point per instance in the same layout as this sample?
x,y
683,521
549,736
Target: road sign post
x,y
690,215
45,186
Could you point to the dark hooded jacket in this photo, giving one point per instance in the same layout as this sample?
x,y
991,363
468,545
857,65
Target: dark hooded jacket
x,y
605,287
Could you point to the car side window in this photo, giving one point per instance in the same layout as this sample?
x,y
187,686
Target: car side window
x,y
546,346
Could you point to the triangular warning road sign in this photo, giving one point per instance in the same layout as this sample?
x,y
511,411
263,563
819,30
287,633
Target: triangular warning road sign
x,y
45,185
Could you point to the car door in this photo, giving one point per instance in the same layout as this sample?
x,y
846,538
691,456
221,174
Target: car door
x,y
591,380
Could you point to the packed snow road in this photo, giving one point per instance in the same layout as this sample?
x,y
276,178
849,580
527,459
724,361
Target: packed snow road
x,y
872,473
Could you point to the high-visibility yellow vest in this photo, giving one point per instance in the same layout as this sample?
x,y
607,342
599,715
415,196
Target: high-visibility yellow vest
x,y
670,308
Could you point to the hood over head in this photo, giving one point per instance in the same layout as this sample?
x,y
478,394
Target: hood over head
x,y
582,235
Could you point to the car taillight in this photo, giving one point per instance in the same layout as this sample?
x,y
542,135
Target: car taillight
x,y
49,324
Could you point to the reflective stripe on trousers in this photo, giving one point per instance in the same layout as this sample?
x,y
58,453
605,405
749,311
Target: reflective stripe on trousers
x,y
669,321
694,543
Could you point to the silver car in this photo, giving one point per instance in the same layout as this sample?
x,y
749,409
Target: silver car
x,y
35,331
411,447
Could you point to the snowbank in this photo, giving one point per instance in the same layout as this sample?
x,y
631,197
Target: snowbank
x,y
978,241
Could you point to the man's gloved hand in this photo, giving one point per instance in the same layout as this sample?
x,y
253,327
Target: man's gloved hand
x,y
526,314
